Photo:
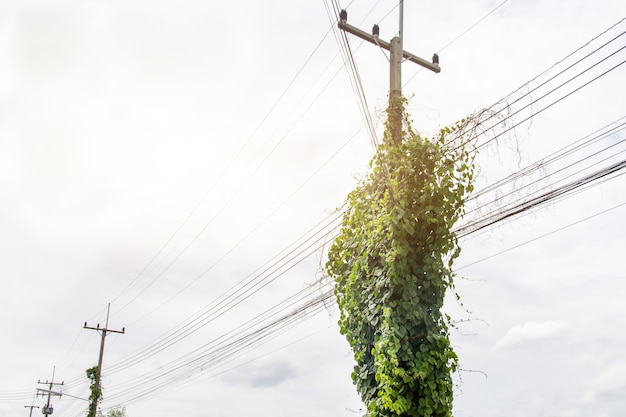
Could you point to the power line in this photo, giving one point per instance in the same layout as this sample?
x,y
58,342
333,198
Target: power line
x,y
479,21
539,237
233,195
353,72
487,114
499,197
221,175
244,289
459,37
233,343
496,217
553,103
593,137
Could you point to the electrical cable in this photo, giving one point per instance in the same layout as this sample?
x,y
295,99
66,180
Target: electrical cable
x,y
579,144
221,175
539,237
500,197
491,219
420,69
551,104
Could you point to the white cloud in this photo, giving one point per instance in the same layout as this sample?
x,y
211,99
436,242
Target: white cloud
x,y
530,332
264,374
609,385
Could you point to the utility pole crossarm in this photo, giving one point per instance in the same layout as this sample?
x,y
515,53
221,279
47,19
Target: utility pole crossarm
x,y
343,25
396,53
433,66
47,391
104,329
59,394
31,409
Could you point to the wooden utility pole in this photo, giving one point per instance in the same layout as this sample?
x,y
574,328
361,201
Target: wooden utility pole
x,y
47,409
103,334
397,53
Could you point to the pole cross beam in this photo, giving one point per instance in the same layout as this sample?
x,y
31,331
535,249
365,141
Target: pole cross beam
x,y
433,66
395,62
31,409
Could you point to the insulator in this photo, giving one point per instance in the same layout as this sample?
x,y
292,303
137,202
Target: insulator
x,y
343,15
375,30
435,59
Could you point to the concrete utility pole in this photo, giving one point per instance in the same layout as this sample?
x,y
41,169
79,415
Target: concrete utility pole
x,y
103,333
395,75
47,409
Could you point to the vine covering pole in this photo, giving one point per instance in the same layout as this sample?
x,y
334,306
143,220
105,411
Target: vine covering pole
x,y
392,260
392,266
395,47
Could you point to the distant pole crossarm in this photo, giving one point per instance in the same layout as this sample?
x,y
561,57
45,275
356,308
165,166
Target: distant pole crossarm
x,y
31,409
47,391
47,409
60,394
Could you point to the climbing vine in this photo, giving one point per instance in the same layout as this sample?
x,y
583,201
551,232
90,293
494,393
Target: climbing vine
x,y
95,390
392,265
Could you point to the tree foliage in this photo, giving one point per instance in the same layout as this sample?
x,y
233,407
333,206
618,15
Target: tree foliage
x,y
115,412
392,265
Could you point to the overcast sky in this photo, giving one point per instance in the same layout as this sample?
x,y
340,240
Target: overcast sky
x,y
160,155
